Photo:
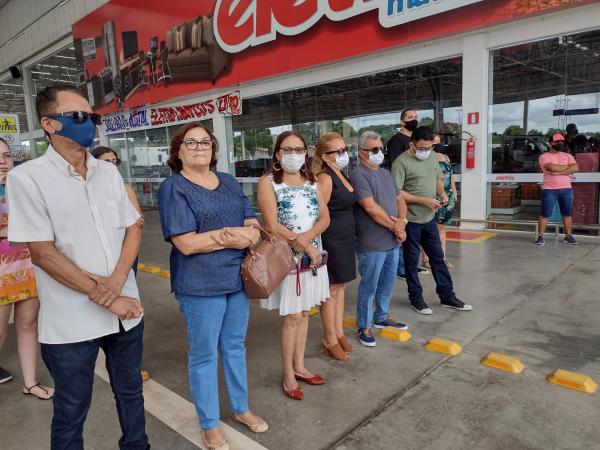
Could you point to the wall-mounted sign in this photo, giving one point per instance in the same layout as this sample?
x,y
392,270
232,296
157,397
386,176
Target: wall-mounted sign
x,y
225,105
9,131
142,52
575,112
246,23
473,118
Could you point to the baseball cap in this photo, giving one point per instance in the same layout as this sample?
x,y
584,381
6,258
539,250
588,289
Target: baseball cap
x,y
557,137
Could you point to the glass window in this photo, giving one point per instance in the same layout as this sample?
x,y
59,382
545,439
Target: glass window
x,y
117,143
59,68
350,107
541,89
12,100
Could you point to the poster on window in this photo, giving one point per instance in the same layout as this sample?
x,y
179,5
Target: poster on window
x,y
9,131
17,280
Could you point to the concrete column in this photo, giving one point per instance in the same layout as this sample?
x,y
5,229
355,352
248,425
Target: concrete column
x,y
475,94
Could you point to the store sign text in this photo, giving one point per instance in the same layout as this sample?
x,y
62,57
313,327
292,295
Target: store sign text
x,y
240,24
225,105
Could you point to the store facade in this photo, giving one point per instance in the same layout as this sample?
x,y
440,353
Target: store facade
x,y
506,72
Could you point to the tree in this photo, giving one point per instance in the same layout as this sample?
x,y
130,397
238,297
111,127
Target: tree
x,y
534,132
514,130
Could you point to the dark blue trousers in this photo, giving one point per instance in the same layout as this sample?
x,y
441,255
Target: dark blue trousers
x,y
425,235
72,369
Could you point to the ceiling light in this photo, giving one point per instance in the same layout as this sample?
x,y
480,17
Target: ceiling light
x,y
41,73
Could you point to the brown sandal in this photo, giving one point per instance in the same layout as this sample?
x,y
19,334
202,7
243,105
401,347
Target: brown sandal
x,y
345,343
336,352
38,385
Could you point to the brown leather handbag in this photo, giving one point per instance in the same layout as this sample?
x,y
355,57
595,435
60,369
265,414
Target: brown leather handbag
x,y
265,266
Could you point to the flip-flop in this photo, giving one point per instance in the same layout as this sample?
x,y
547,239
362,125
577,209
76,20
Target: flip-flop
x,y
28,389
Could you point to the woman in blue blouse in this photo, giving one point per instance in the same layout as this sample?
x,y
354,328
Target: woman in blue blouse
x,y
209,221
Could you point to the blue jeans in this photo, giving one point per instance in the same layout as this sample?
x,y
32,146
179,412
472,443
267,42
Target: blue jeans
x,y
72,369
425,235
401,271
564,197
216,322
378,272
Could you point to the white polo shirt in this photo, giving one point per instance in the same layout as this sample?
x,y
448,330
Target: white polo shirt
x,y
86,219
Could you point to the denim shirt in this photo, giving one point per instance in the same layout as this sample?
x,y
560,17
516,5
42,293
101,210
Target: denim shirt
x,y
186,207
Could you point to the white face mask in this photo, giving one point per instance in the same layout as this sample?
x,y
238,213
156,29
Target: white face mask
x,y
422,155
376,158
342,161
292,163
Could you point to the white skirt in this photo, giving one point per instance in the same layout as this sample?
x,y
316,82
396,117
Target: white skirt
x,y
315,290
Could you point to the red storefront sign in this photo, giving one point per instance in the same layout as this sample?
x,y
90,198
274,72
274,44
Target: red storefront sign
x,y
137,52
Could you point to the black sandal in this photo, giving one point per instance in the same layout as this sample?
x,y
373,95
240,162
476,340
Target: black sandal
x,y
28,389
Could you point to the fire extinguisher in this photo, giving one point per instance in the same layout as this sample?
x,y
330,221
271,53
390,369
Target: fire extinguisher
x,y
471,153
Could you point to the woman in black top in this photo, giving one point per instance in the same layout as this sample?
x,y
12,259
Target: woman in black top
x,y
331,157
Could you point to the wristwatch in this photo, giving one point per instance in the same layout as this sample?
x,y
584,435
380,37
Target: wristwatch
x,y
403,219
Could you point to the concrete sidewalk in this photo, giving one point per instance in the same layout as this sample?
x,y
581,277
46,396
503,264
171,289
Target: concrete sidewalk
x,y
538,304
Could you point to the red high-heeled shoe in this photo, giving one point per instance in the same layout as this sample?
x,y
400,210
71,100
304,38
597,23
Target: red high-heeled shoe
x,y
315,380
295,394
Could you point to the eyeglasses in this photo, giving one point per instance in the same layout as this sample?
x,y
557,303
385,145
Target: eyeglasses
x,y
374,150
339,152
421,149
116,162
292,150
79,116
199,146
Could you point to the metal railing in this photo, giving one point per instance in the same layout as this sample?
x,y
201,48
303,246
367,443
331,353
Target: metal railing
x,y
534,223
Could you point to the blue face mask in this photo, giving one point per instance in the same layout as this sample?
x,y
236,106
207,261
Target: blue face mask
x,y
82,133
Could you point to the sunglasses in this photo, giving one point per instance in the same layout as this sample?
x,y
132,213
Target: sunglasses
x,y
374,150
339,152
79,117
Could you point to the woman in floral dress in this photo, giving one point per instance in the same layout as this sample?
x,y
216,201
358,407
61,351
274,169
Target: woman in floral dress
x,y
292,207
18,290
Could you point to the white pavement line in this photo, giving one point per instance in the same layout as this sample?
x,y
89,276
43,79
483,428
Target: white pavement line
x,y
179,414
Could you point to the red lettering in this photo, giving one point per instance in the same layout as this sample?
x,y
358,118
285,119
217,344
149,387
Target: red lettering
x,y
227,18
210,106
285,12
340,5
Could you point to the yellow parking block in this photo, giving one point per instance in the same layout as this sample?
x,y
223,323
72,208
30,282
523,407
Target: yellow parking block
x,y
165,273
445,346
503,362
141,266
573,380
314,310
152,269
350,322
395,334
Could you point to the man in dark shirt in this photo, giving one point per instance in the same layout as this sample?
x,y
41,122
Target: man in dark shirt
x,y
399,142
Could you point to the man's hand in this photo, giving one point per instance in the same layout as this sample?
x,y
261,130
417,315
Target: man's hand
x,y
432,203
401,237
443,199
107,288
126,308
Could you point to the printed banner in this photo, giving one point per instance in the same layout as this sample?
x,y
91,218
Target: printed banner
x,y
17,280
9,131
225,105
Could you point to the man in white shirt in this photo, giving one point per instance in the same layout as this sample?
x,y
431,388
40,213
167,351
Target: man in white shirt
x,y
73,212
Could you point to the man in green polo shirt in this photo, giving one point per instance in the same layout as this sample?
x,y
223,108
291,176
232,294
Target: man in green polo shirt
x,y
418,178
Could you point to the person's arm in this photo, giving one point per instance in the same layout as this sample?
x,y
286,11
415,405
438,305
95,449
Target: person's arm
x,y
320,225
325,186
568,170
430,203
377,213
46,256
267,204
134,201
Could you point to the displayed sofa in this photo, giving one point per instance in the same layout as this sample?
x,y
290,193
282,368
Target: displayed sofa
x,y
193,52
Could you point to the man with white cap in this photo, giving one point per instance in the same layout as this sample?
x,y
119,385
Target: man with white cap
x,y
557,166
